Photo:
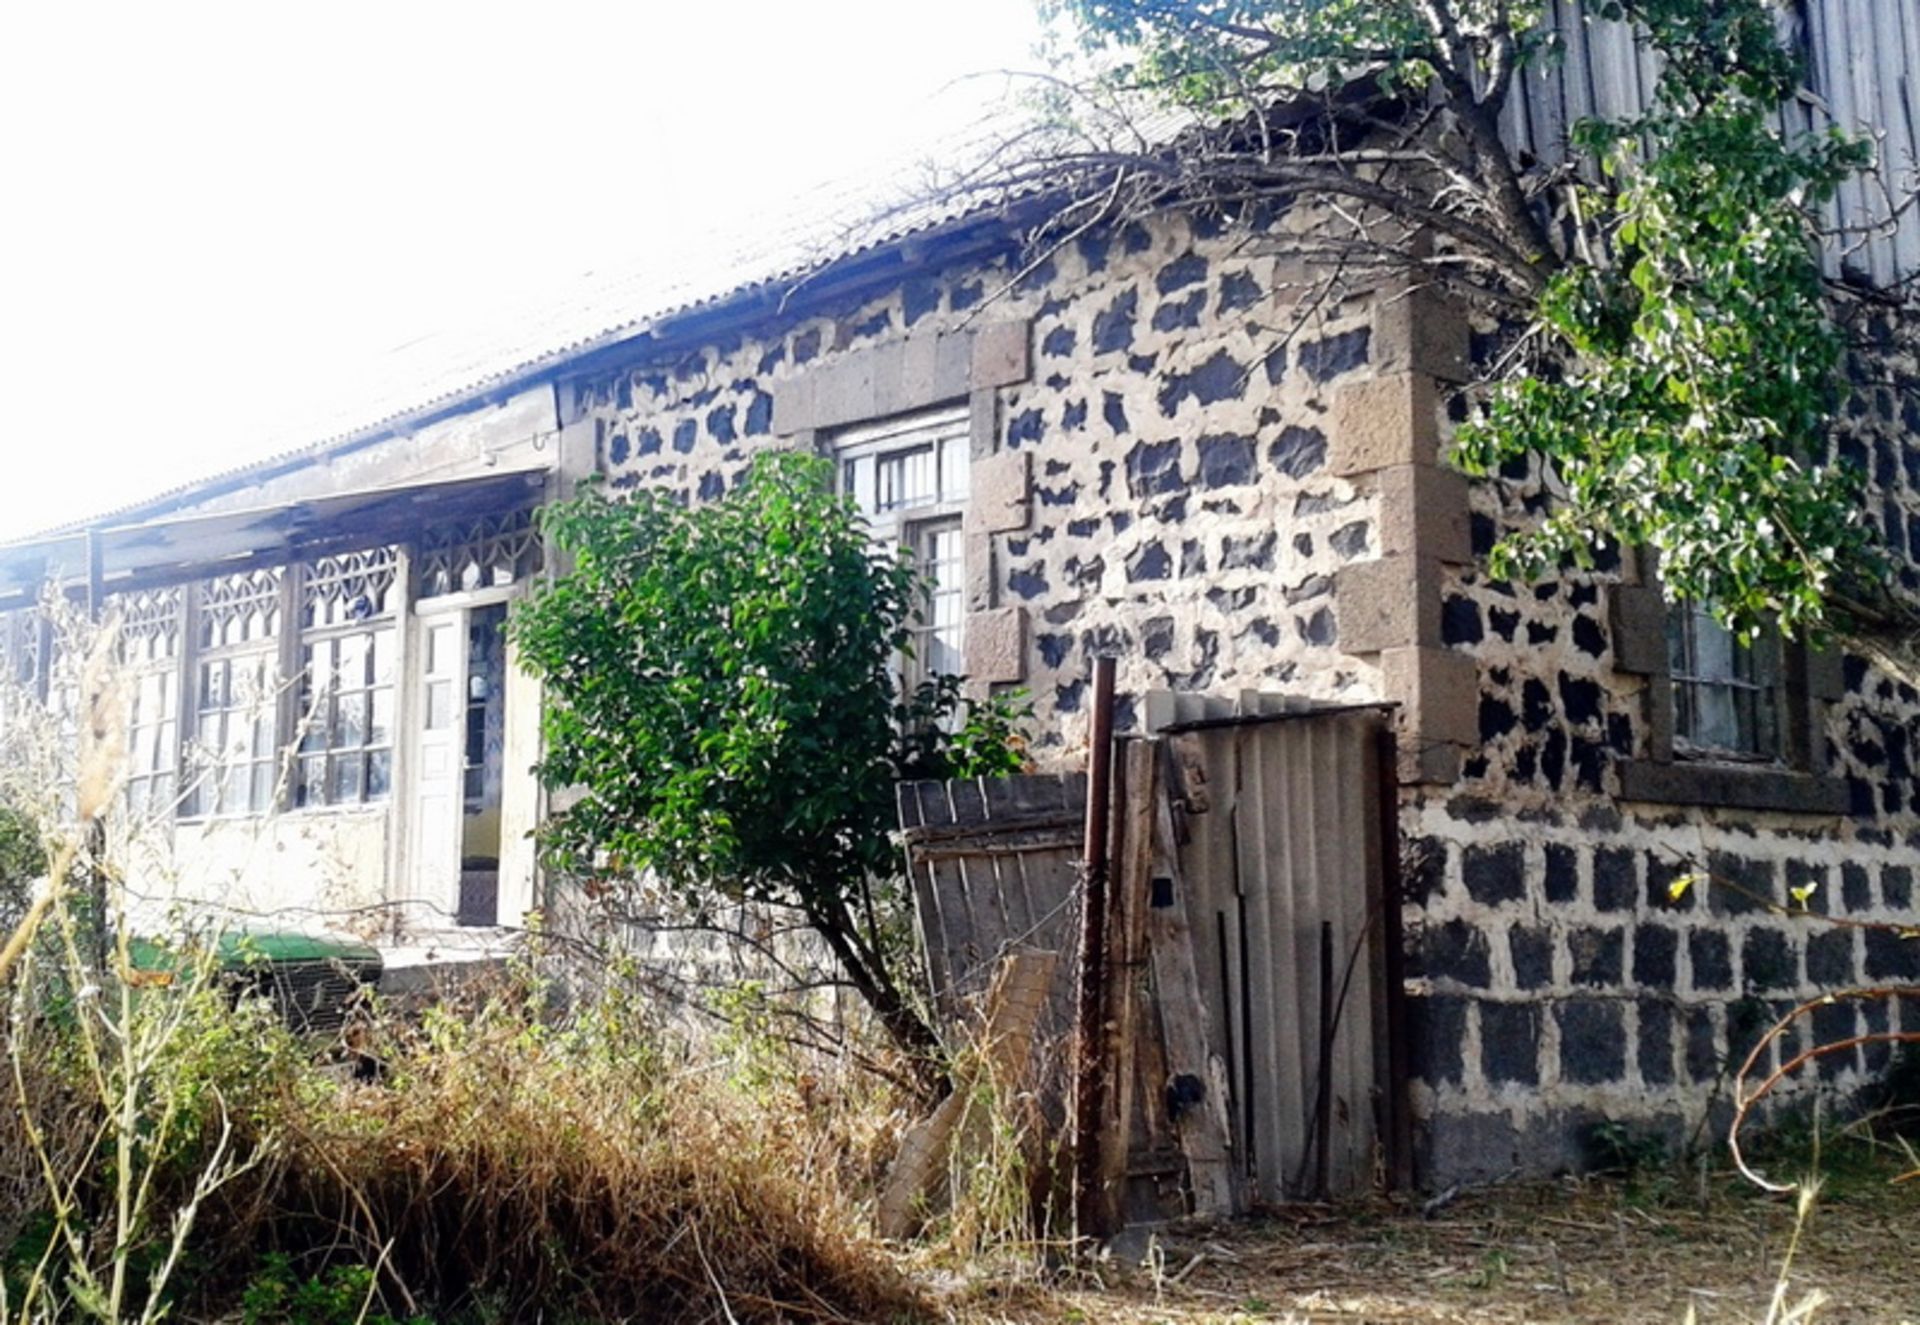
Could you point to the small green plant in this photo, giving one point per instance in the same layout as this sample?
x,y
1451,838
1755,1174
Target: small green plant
x,y
341,1295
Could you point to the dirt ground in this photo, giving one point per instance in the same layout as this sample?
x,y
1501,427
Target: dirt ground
x,y
1576,1251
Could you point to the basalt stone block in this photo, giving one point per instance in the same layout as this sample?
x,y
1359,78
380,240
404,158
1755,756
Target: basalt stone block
x,y
1711,957
1497,718
1597,955
1188,269
1327,358
1318,629
1114,412
1531,949
1238,290
1562,873
1768,961
1149,561
1616,881
1460,621
1856,889
1891,956
1226,460
1156,637
1253,552
1437,1037
1739,885
1221,377
1808,886
1349,540
1655,952
1896,887
685,434
1662,873
1455,950
1154,468
1495,874
1655,1042
1029,582
1113,325
1830,959
1830,1024
1593,1041
1702,1048
1581,699
1180,314
1026,428
1536,705
712,486
1510,1043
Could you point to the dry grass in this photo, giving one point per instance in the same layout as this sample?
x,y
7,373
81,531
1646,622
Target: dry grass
x,y
507,1166
1573,1252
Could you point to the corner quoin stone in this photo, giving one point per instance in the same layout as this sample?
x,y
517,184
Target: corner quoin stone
x,y
1424,509
1000,493
997,645
1392,420
1386,604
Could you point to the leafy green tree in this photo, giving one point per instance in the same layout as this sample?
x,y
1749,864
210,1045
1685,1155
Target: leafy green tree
x,y
720,688
1675,358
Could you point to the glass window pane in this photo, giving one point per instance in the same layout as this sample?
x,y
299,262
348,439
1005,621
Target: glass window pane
x,y
346,779
379,773
262,792
350,721
380,724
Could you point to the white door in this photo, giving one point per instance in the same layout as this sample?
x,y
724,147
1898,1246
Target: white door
x,y
440,763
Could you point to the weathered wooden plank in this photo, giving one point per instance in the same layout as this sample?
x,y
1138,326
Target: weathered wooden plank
x,y
1194,1063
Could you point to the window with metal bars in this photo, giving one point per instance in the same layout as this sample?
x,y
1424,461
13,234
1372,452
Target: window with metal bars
x,y
1726,693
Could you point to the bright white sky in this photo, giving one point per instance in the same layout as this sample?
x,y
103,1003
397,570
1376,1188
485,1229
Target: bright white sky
x,y
217,213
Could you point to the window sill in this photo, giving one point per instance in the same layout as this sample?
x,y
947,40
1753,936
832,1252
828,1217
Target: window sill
x,y
1731,786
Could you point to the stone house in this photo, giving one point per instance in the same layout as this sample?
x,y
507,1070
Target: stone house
x,y
1109,451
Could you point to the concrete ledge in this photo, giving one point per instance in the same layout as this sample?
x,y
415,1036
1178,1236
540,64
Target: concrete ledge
x,y
1731,786
911,373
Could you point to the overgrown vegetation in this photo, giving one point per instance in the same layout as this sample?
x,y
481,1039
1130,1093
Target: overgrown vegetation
x,y
722,694
1671,352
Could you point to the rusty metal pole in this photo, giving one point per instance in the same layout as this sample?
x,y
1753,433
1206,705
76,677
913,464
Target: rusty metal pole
x,y
1089,1081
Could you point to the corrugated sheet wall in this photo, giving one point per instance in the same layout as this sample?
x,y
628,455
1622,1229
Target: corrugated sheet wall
x,y
1284,875
1863,74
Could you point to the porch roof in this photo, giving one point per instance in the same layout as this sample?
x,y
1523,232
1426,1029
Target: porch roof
x,y
133,556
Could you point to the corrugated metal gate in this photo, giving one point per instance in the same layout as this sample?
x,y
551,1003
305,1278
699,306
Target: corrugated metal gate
x,y
1253,952
1286,857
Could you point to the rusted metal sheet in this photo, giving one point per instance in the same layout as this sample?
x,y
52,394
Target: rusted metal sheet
x,y
1862,73
1284,868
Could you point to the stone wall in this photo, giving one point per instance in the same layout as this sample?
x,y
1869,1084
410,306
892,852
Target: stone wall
x,y
1163,473
1154,474
1558,981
